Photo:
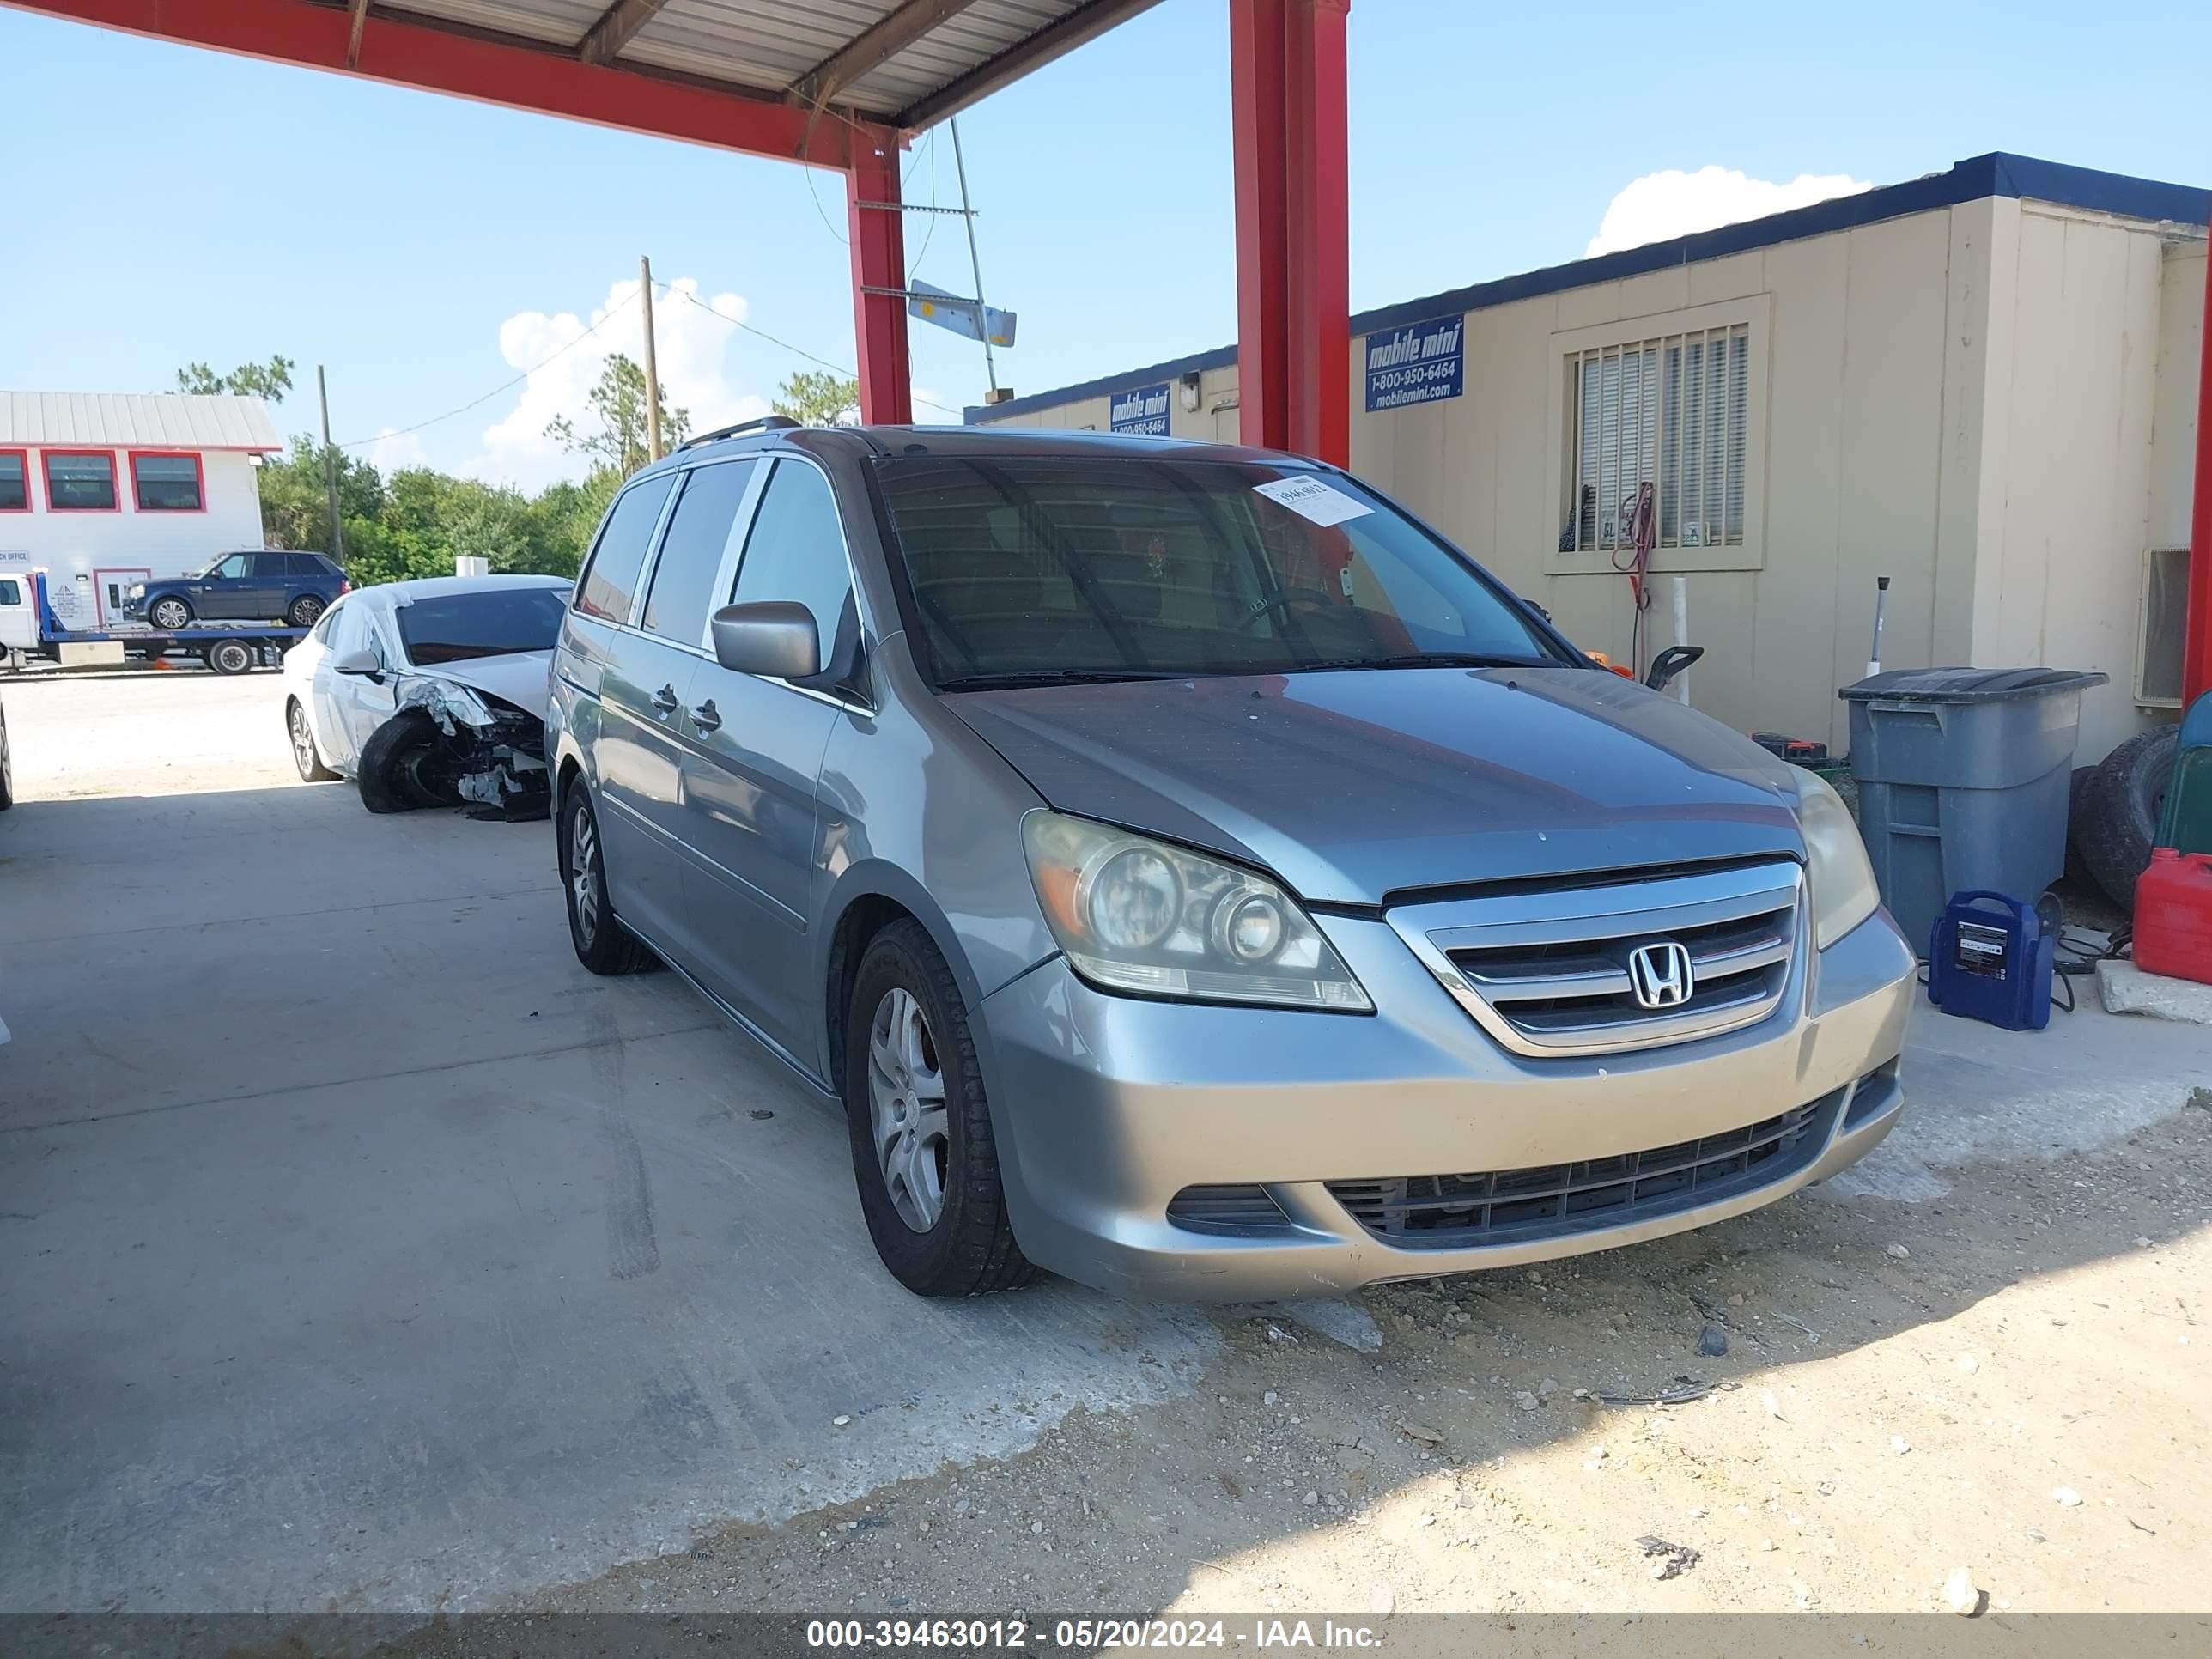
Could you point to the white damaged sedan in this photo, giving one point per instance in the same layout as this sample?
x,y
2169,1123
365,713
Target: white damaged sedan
x,y
430,692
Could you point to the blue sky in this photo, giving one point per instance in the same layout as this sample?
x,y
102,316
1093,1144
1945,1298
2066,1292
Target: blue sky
x,y
220,208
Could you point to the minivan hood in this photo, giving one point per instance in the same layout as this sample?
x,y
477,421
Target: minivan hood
x,y
521,677
1353,785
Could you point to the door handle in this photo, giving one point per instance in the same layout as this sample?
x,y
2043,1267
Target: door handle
x,y
705,718
665,700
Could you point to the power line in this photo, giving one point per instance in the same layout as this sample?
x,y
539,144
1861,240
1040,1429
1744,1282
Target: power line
x,y
796,351
658,289
928,145
504,385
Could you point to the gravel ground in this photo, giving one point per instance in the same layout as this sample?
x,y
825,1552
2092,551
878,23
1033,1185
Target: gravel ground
x,y
2011,1382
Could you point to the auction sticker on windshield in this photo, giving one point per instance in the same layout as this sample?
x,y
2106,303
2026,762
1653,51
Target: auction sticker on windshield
x,y
1313,498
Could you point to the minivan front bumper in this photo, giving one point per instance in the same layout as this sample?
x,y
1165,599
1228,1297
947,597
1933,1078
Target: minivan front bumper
x,y
1107,1108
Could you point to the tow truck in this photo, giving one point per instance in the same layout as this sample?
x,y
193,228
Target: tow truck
x,y
30,631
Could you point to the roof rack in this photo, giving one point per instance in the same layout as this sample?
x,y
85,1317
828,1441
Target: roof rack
x,y
762,423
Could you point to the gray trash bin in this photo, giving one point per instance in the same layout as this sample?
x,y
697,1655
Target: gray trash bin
x,y
1962,777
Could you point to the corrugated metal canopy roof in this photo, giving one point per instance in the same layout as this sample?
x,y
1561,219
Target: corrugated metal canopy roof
x,y
138,420
906,62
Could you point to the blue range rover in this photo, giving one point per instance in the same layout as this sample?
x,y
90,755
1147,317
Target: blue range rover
x,y
259,586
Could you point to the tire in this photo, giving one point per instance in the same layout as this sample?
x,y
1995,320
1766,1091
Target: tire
x,y
2120,805
303,611
230,657
169,613
906,1042
301,732
603,944
2077,867
398,769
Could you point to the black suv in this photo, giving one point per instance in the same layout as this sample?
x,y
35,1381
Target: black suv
x,y
243,587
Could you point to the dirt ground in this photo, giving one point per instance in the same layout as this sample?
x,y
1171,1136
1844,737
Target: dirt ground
x,y
1838,1403
2012,1382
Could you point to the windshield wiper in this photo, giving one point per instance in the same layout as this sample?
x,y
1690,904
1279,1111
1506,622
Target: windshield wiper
x,y
1008,681
1425,660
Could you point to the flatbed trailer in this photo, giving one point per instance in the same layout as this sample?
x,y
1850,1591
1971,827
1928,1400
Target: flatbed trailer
x,y
30,631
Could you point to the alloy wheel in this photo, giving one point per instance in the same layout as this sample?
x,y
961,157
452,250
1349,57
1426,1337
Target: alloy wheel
x,y
303,741
583,883
906,1107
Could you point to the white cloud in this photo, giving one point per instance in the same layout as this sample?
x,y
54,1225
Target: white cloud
x,y
1662,205
691,336
390,452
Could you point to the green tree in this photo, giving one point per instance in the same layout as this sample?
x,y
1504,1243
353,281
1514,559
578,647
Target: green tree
x,y
818,397
271,380
614,436
295,507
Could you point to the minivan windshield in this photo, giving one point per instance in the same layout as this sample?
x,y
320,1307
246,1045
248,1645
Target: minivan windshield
x,y
489,622
1045,569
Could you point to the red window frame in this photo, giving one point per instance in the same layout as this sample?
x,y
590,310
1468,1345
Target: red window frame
x,y
131,460
24,456
114,473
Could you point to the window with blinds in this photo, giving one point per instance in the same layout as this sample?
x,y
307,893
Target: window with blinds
x,y
1671,413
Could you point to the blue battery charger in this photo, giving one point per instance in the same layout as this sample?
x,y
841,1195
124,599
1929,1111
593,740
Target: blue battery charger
x,y
1990,959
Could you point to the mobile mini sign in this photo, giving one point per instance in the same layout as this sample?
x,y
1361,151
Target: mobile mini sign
x,y
1142,411
1418,363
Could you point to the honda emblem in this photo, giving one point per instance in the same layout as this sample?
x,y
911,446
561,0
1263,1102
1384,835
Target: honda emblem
x,y
1660,975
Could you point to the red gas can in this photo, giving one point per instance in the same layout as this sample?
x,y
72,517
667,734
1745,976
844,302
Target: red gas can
x,y
2173,915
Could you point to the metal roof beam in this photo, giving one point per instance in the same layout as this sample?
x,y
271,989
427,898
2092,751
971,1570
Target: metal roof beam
x,y
875,46
617,27
407,49
1085,22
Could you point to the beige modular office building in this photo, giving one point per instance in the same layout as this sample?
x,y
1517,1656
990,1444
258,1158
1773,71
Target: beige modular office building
x,y
1981,384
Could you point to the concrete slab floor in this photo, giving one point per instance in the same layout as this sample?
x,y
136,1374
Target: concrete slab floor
x,y
359,1251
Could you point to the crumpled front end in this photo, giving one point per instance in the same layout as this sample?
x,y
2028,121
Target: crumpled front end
x,y
450,744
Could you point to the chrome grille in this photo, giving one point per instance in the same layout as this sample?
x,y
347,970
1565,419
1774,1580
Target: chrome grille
x,y
1512,1206
1546,971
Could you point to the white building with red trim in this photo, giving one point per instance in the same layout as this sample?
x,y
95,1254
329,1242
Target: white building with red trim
x,y
103,490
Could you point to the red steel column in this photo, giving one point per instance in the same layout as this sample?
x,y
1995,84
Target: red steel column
x,y
1256,103
2197,641
1320,233
879,240
1288,110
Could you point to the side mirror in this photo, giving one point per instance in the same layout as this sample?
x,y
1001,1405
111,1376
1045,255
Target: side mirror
x,y
362,661
1671,662
775,637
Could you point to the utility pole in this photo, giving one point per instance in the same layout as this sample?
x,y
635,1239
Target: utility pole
x,y
330,468
652,367
974,261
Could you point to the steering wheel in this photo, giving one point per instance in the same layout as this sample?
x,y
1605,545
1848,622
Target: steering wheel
x,y
1283,599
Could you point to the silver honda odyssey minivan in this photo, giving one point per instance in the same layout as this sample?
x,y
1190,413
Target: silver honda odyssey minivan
x,y
1192,874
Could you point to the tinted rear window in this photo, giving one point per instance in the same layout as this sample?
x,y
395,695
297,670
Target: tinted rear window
x,y
610,583
494,622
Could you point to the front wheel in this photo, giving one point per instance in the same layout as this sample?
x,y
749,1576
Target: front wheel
x,y
404,765
923,1154
303,611
603,944
305,755
170,614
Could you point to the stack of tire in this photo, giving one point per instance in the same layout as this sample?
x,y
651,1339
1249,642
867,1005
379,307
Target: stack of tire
x,y
2114,817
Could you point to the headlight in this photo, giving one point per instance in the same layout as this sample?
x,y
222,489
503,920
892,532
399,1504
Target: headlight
x,y
1842,881
1138,915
